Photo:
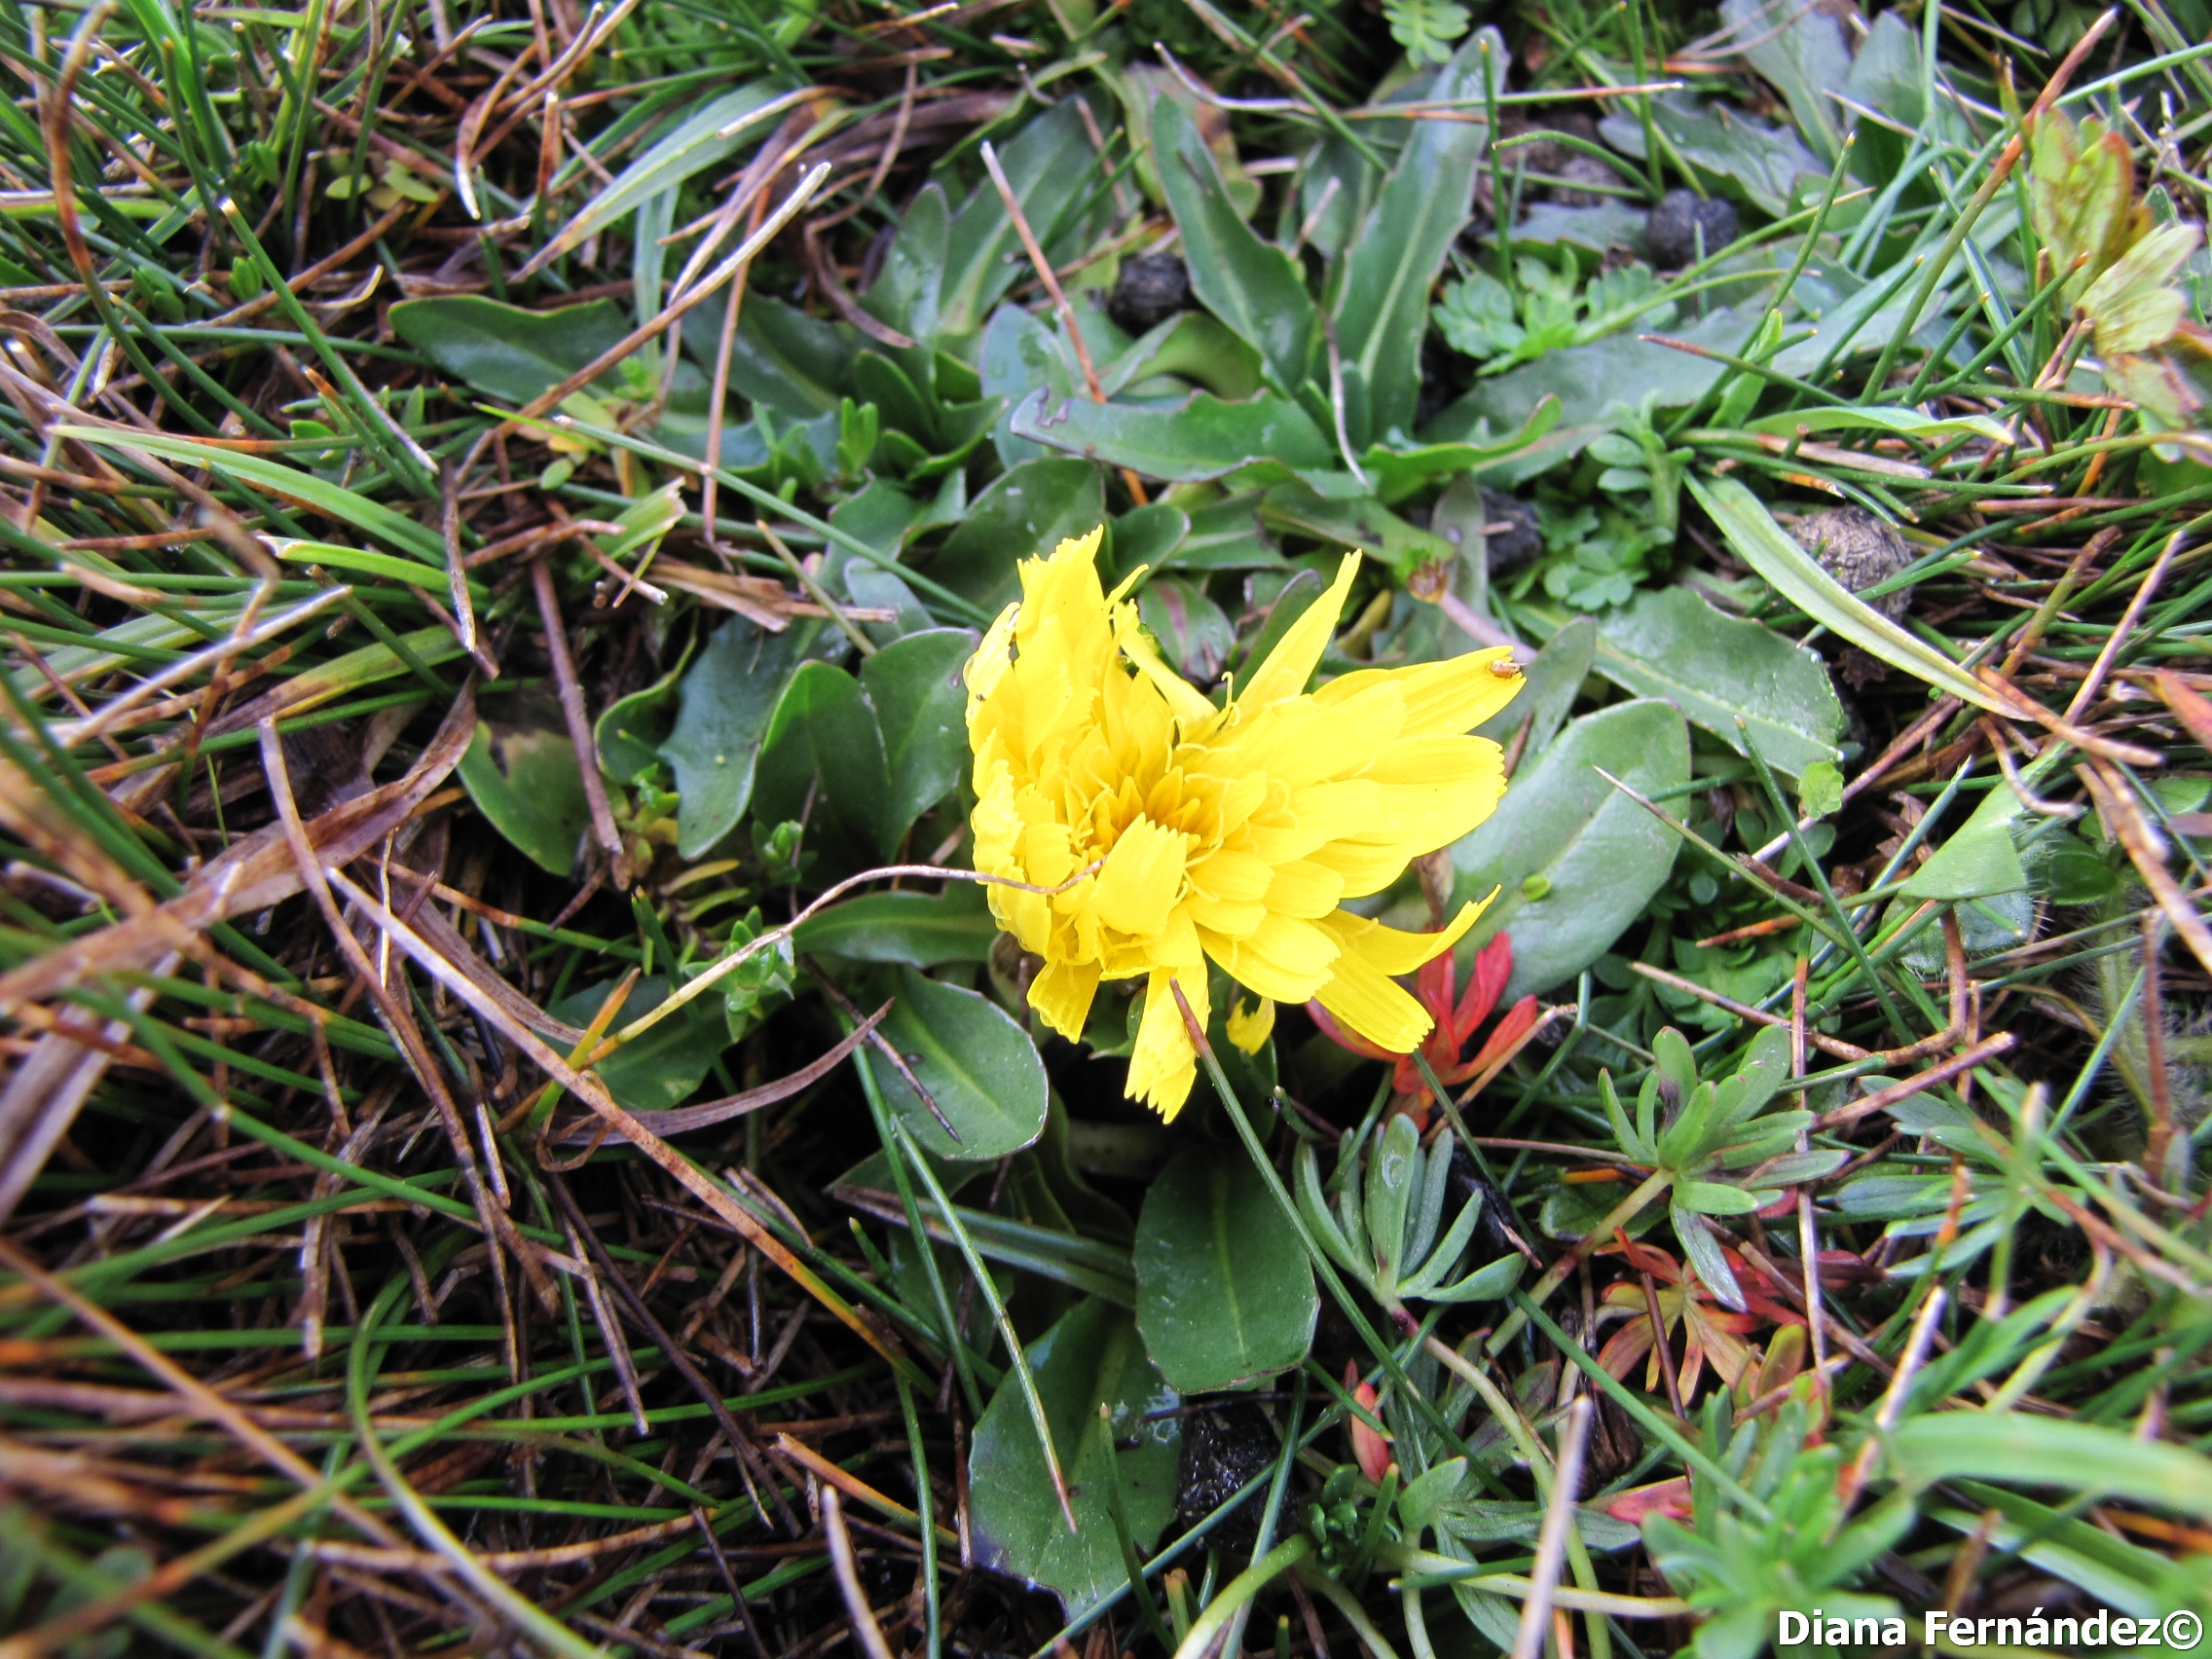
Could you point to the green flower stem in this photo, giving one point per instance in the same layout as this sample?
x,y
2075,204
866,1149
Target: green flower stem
x,y
1421,1568
924,1504
954,1344
1117,1511
1652,1185
1247,1584
1416,1626
1540,1466
1325,1585
1324,1268
984,1283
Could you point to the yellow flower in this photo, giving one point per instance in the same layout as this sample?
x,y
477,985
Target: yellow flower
x,y
1231,833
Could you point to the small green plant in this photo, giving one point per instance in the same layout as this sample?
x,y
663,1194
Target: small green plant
x,y
1383,1229
1744,1570
1712,1145
1425,28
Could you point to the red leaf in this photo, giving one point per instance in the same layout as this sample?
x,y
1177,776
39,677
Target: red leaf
x,y
1368,1449
1493,966
1343,1039
1662,1497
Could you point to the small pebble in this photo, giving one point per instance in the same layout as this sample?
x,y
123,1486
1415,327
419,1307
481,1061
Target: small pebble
x,y
1858,550
1511,535
1682,216
1584,169
1151,288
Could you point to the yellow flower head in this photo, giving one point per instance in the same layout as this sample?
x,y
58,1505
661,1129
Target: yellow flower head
x,y
1230,832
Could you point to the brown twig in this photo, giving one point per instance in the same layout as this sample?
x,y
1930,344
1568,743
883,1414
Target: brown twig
x,y
578,721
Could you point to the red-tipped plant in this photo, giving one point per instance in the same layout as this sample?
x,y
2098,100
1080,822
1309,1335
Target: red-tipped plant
x,y
1458,1018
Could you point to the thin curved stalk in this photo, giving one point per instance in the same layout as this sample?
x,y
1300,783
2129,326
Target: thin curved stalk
x,y
1214,1621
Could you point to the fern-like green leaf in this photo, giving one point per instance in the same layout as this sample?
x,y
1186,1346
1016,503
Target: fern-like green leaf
x,y
1425,28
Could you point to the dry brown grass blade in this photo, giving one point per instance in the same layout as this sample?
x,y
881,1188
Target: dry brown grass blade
x,y
204,1401
2124,820
593,1093
256,872
447,939
499,1226
43,1097
683,1119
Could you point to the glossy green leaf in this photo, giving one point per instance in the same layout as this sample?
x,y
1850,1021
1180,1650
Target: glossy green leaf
x,y
1701,1250
1389,267
1092,1357
1357,521
1195,634
921,710
1147,537
1672,643
504,350
1228,536
1765,162
1399,472
724,705
525,780
1026,513
2019,1449
797,364
1019,356
1805,53
1599,857
1225,1294
663,1067
978,1065
1050,167
1620,370
1253,286
1202,438
821,761
2134,305
904,293
630,730
1773,553
2079,182
920,930
1192,346
1550,683
1980,860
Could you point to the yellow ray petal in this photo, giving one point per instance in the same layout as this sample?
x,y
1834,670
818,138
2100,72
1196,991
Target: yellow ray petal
x,y
1164,1063
1371,1004
1187,700
1447,697
1291,664
1250,1027
1305,889
1142,879
988,667
1393,950
1062,996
